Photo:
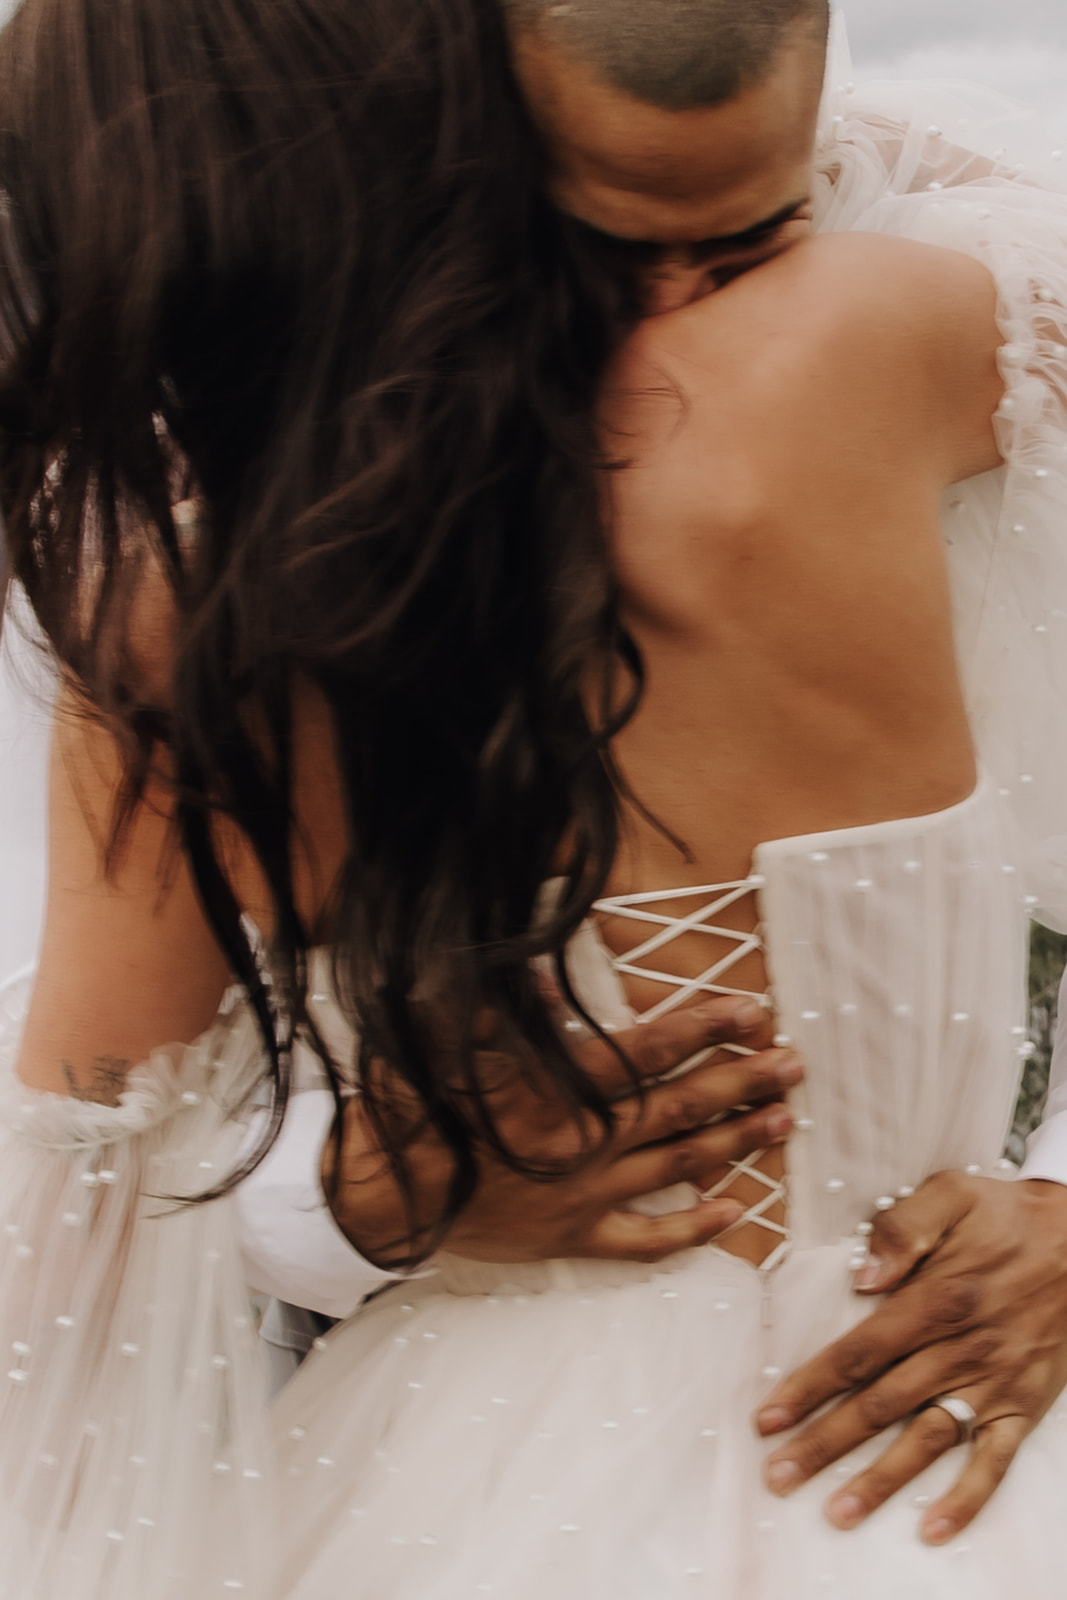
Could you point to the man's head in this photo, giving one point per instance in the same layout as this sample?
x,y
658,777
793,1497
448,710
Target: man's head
x,y
685,123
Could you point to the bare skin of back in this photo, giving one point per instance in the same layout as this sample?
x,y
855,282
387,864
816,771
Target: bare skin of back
x,y
776,539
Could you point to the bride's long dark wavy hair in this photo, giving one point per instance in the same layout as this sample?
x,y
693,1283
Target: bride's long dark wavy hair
x,y
291,257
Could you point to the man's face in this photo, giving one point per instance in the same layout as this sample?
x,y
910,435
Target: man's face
x,y
717,189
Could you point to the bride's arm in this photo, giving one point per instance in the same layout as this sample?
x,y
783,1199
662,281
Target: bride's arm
x,y
131,1396
127,959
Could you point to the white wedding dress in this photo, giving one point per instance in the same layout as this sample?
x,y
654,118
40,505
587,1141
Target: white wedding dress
x,y
579,1429
574,1429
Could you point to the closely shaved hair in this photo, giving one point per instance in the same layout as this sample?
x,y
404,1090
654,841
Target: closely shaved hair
x,y
677,54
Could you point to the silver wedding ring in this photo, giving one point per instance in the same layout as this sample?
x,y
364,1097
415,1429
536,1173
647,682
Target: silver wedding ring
x,y
963,1415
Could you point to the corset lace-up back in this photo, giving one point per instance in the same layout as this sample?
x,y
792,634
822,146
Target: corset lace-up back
x,y
759,1180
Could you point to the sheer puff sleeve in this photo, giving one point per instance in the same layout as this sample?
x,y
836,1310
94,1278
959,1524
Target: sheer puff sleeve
x,y
957,166
133,1458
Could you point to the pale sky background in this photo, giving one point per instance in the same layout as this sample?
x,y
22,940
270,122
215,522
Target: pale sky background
x,y
1017,46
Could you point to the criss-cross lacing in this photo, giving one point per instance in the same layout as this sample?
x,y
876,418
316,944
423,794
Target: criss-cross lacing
x,y
645,908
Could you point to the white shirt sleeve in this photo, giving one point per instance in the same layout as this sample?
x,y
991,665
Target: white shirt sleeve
x,y
292,1247
1046,1150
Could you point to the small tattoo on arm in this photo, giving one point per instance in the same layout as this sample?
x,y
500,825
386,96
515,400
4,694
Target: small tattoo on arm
x,y
106,1081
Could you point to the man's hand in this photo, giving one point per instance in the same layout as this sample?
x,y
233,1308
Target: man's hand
x,y
660,1138
977,1307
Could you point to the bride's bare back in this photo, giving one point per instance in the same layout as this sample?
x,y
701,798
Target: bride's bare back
x,y
778,545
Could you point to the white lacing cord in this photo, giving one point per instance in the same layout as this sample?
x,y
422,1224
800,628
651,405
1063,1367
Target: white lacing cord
x,y
632,907
776,1193
636,908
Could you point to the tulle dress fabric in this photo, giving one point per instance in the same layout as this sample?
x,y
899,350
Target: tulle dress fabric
x,y
135,1460
582,1429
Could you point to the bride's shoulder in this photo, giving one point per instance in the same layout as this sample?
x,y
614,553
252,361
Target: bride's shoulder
x,y
875,327
860,286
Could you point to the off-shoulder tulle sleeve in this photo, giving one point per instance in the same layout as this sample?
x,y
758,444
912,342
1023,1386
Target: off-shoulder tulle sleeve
x,y
133,1457
961,167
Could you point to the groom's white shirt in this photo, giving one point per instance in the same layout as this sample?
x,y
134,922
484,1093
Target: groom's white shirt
x,y
293,1249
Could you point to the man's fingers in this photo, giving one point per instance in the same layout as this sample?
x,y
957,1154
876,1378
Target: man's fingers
x,y
703,1095
913,1230
930,1434
920,1315
995,1447
628,1236
922,1442
903,1392
656,1048
695,1158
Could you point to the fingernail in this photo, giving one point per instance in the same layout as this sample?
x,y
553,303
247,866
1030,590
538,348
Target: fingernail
x,y
939,1532
782,1476
747,1014
774,1419
789,1071
871,1274
846,1511
779,1124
